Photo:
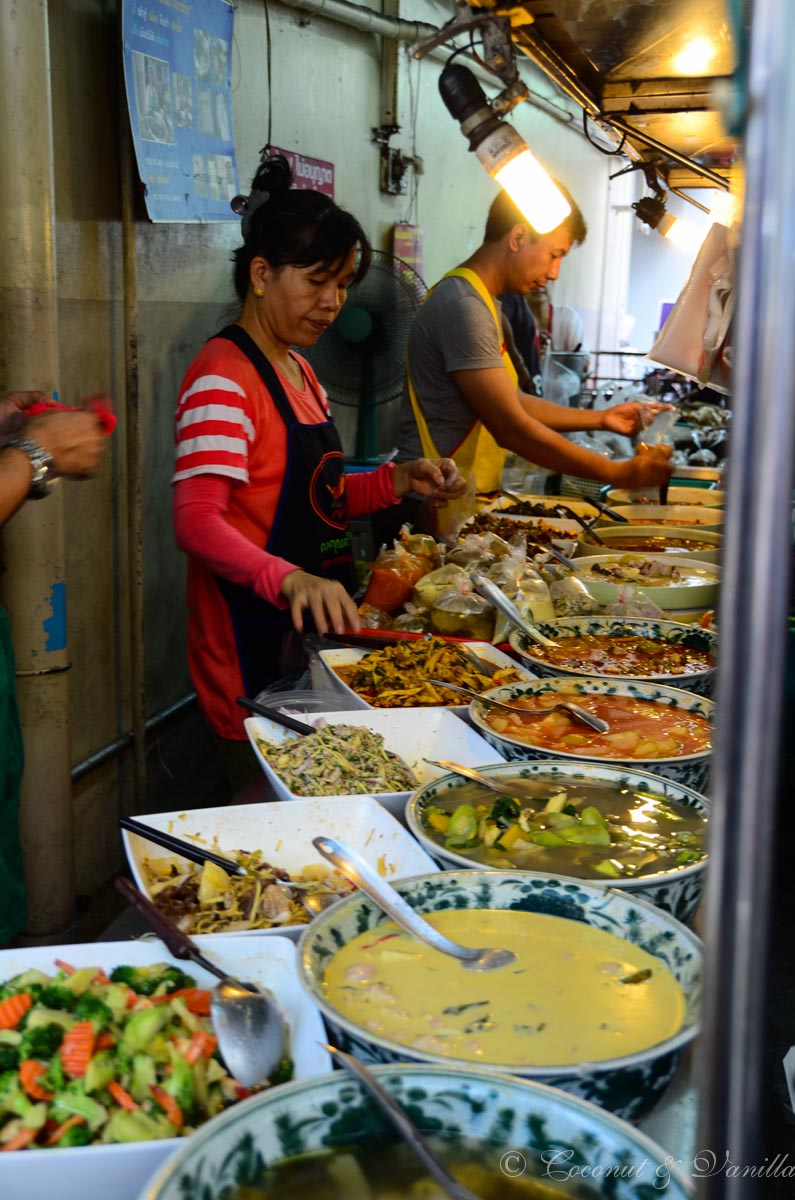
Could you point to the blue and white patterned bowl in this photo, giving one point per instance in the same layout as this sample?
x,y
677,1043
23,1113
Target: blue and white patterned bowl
x,y
700,682
628,1086
690,769
522,1120
677,891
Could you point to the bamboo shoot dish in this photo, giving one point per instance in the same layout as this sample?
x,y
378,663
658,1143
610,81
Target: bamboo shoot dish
x,y
397,676
339,760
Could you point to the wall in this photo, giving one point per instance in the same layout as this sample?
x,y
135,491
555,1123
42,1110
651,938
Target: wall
x,y
325,101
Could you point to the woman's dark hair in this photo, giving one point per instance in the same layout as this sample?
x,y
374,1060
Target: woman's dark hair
x,y
290,226
504,214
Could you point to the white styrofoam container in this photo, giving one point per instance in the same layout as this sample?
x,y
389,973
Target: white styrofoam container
x,y
283,831
412,733
121,1171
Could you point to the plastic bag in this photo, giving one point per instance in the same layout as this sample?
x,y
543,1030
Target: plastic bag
x,y
393,577
460,612
631,602
411,621
448,520
479,551
571,598
428,589
374,618
422,545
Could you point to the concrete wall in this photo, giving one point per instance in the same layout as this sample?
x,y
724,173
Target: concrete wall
x,y
325,101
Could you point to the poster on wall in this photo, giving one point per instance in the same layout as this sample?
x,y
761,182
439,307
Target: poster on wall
x,y
308,172
177,66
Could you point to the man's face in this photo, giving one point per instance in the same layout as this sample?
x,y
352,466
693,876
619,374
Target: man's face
x,y
537,262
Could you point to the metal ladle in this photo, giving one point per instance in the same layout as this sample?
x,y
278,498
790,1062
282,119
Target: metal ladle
x,y
508,787
384,895
574,710
489,591
251,1033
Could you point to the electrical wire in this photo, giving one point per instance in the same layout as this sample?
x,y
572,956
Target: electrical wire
x,y
268,58
609,153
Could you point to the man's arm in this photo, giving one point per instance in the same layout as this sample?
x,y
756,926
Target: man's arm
x,y
15,473
506,414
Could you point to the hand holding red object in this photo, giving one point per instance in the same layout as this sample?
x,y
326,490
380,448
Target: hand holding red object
x,y
98,403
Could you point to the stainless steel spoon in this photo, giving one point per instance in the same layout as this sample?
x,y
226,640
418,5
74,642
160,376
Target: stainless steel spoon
x,y
251,1033
405,1127
574,710
314,901
384,895
507,787
489,591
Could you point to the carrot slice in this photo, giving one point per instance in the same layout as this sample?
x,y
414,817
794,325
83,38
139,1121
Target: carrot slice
x,y
58,1133
105,1041
13,1009
30,1071
169,1105
66,967
202,1045
132,998
20,1140
122,1098
77,1048
197,1000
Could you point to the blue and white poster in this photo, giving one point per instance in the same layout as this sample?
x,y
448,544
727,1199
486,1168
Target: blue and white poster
x,y
177,64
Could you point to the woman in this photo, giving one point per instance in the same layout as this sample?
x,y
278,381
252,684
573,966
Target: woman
x,y
261,499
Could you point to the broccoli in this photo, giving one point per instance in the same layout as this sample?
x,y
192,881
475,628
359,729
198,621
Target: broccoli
x,y
91,1008
9,1090
57,996
77,1135
146,980
9,1058
54,1078
41,1042
283,1073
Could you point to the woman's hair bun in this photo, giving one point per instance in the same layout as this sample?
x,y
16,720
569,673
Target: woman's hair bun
x,y
274,175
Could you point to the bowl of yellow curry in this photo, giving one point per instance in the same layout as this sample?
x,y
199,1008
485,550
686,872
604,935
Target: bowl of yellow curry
x,y
600,1001
606,825
656,728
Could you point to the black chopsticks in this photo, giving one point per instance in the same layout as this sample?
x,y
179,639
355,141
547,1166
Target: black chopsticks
x,y
184,849
262,710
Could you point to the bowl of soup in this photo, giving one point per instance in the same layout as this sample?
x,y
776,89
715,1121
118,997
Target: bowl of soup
x,y
683,541
653,727
623,648
327,1140
671,582
706,497
620,828
688,516
600,999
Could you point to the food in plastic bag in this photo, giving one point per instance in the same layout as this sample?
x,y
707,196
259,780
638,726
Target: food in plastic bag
x,y
428,589
460,612
450,517
374,618
631,602
412,621
481,548
422,545
393,577
571,598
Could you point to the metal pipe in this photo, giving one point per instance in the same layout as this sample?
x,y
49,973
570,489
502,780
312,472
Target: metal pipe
x,y
753,621
34,587
133,420
653,144
87,765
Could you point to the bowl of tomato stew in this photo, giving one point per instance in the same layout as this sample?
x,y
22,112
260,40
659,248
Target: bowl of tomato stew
x,y
660,729
666,652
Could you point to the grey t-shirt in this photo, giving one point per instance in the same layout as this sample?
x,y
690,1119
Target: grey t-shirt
x,y
454,330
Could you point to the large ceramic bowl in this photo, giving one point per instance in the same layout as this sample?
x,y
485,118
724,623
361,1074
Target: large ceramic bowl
x,y
673,632
690,769
629,1086
709,497
708,543
520,1122
689,516
677,891
696,586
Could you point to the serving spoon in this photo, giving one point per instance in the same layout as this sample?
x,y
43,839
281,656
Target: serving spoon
x,y
251,1033
574,710
402,1123
513,786
384,895
496,596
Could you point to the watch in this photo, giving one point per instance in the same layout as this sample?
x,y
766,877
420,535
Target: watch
x,y
41,462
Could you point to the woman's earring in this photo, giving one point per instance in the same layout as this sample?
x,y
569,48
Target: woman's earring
x,y
258,291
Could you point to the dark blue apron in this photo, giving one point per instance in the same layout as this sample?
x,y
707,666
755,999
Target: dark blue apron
x,y
310,529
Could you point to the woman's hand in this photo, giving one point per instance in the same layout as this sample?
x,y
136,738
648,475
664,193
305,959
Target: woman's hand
x,y
628,419
326,599
438,478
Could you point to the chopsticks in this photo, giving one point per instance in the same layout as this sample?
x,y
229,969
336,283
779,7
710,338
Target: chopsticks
x,y
262,710
185,849
608,512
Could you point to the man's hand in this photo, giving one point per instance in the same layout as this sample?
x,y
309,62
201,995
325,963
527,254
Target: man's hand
x,y
74,440
628,419
649,468
438,478
12,411
326,599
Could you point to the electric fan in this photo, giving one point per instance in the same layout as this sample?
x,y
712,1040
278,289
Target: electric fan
x,y
361,358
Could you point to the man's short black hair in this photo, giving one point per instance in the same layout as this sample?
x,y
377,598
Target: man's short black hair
x,y
504,214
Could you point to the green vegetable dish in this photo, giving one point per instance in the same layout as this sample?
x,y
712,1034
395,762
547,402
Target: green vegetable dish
x,y
590,830
338,760
89,1059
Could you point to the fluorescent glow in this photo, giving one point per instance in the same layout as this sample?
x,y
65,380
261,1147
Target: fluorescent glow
x,y
695,57
724,208
682,234
505,156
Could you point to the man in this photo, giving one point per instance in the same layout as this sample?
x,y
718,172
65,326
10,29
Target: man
x,y
461,395
33,450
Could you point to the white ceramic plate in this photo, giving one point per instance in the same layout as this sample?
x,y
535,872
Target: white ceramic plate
x,y
412,733
698,590
85,1172
283,831
325,675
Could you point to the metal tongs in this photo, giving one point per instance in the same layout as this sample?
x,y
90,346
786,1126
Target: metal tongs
x,y
496,596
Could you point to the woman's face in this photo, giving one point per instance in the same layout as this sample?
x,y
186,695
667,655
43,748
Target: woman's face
x,y
301,302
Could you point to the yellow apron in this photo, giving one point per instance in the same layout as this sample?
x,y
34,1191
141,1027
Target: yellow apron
x,y
478,457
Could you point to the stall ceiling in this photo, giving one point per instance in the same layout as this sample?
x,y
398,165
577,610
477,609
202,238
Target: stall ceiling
x,y
635,64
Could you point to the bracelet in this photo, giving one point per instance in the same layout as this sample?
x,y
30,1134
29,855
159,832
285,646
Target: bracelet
x,y
43,476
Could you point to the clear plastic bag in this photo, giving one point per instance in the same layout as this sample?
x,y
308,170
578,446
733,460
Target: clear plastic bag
x,y
571,598
460,612
428,589
393,577
631,602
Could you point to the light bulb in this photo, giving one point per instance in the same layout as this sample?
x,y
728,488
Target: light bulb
x,y
695,57
682,234
533,192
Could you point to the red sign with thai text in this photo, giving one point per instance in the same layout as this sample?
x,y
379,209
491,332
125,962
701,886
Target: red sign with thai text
x,y
309,173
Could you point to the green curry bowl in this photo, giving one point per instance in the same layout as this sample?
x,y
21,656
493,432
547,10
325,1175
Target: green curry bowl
x,y
629,1086
517,1129
595,693
610,631
677,889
